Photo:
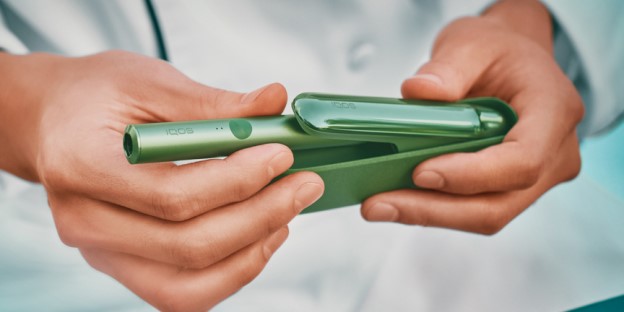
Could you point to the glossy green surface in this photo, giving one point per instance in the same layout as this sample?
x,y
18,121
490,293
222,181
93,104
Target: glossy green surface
x,y
172,141
354,159
376,119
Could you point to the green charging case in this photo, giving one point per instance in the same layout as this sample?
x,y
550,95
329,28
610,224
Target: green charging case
x,y
352,173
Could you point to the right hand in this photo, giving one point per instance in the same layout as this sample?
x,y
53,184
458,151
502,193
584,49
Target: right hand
x,y
180,237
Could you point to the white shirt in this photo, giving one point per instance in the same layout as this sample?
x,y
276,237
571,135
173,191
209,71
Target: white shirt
x,y
333,260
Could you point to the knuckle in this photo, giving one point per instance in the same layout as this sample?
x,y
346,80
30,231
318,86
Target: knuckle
x,y
92,259
50,173
68,230
174,204
574,168
192,250
191,258
529,170
572,106
243,186
252,267
273,221
181,212
67,236
494,219
490,228
244,189
283,206
420,217
578,111
172,297
219,99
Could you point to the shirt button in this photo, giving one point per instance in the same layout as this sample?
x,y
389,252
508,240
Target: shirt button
x,y
360,54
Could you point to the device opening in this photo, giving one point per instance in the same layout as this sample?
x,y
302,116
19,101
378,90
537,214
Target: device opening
x,y
332,155
127,144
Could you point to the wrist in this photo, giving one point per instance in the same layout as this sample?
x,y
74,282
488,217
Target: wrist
x,y
529,18
21,95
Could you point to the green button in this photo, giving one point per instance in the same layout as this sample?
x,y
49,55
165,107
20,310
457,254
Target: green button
x,y
240,128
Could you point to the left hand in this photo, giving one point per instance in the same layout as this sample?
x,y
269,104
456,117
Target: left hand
x,y
506,53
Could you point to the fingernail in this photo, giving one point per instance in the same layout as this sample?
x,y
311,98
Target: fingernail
x,y
382,212
429,179
429,77
251,96
274,241
279,163
307,194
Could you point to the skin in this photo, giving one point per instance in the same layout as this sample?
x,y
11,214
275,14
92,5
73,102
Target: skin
x,y
183,238
507,52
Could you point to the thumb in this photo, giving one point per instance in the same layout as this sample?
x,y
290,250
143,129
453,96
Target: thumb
x,y
204,102
268,100
455,66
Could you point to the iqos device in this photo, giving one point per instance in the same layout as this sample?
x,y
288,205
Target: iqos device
x,y
170,141
360,126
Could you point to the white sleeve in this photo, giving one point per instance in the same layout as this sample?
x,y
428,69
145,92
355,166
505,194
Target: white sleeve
x,y
8,41
589,46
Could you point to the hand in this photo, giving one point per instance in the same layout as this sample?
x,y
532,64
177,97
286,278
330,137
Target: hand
x,y
506,53
181,237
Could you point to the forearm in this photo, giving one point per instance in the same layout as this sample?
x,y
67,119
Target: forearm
x,y
529,18
21,94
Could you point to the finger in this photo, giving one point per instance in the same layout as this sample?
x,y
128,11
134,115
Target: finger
x,y
483,213
170,288
178,193
197,101
514,164
196,243
185,99
459,57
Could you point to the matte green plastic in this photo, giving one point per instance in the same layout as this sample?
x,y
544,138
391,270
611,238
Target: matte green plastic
x,y
330,136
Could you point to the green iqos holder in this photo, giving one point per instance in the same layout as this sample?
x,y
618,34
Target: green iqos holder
x,y
360,146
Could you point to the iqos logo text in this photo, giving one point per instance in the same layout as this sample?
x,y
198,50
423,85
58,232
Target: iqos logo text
x,y
343,105
179,131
